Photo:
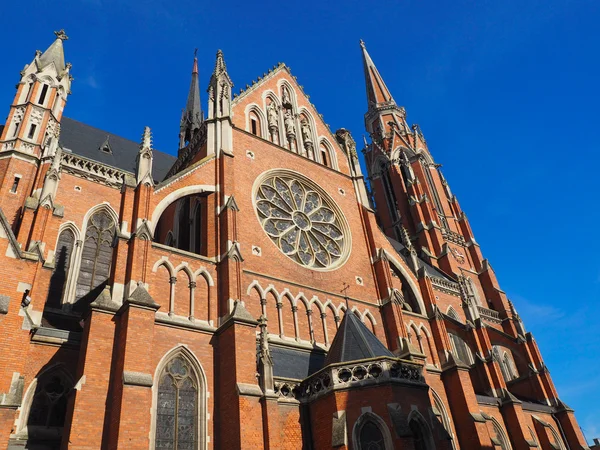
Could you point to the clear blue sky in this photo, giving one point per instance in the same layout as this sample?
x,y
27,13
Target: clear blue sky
x,y
506,93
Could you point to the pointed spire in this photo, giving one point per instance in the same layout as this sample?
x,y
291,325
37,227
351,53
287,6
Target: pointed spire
x,y
191,119
144,159
55,53
220,66
377,91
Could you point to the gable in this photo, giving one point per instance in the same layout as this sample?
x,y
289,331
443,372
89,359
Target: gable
x,y
252,113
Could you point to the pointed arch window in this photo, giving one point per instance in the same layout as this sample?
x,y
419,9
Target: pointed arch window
x,y
421,433
198,229
49,404
62,262
371,437
177,407
461,350
96,256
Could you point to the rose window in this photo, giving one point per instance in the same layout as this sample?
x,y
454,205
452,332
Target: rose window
x,y
301,221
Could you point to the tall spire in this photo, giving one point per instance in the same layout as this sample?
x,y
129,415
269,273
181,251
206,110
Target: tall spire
x,y
377,91
191,119
55,53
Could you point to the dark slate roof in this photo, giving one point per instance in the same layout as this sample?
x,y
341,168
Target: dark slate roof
x,y
431,271
296,364
354,341
86,141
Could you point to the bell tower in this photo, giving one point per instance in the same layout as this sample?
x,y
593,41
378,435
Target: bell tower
x,y
33,124
412,198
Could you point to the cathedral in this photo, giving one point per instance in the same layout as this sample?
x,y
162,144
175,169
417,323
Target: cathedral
x,y
260,290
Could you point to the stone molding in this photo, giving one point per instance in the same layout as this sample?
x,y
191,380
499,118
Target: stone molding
x,y
137,379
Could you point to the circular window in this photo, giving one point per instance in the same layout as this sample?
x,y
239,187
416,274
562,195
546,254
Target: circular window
x,y
302,220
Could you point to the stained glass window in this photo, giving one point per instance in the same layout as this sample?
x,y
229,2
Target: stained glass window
x,y
49,404
96,257
177,407
371,437
301,221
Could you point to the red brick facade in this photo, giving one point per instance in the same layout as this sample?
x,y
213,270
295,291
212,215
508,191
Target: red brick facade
x,y
188,285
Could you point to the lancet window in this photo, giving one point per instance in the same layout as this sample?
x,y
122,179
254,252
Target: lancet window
x,y
96,257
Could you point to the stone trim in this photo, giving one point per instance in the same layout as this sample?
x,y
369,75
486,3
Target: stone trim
x,y
249,390
137,379
4,301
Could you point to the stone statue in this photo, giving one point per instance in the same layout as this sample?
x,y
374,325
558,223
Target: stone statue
x,y
288,121
305,128
272,118
285,96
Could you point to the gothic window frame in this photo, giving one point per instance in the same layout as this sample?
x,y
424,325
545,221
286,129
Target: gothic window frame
x,y
501,436
333,162
371,417
202,394
443,416
416,417
339,222
453,314
25,431
395,264
72,269
454,339
106,208
253,108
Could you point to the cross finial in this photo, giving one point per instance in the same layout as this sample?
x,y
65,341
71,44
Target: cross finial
x,y
195,52
345,291
362,43
61,35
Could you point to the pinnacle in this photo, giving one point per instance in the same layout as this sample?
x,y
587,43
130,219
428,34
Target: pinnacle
x,y
146,138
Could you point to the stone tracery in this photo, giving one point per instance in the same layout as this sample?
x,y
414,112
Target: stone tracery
x,y
301,221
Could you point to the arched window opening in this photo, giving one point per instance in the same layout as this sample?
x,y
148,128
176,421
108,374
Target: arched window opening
x,y
96,256
177,412
390,196
371,437
62,263
324,155
198,229
461,350
49,404
500,439
453,314
421,434
410,300
182,225
507,366
255,125
43,94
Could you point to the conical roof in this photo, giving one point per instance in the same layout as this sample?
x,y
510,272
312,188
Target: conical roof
x,y
354,341
377,91
55,53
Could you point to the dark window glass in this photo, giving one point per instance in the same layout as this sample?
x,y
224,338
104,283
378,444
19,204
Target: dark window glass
x,y
198,225
253,126
31,131
49,404
16,130
324,157
96,257
62,260
183,237
177,408
418,435
43,94
371,437
15,185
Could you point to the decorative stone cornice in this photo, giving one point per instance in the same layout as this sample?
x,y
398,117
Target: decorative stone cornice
x,y
361,373
93,170
446,286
